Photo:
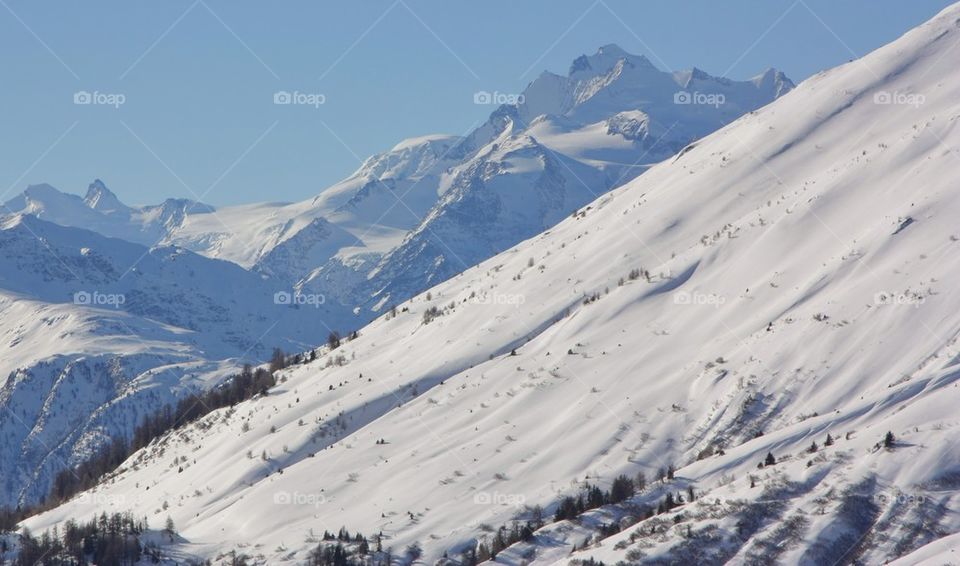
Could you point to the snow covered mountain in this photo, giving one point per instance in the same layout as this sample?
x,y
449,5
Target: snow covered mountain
x,y
97,332
436,205
101,211
752,316
359,212
566,141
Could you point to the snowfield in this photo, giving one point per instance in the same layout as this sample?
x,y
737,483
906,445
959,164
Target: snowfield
x,y
793,279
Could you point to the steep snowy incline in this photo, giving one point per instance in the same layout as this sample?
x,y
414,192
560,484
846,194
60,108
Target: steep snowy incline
x,y
75,377
97,332
784,278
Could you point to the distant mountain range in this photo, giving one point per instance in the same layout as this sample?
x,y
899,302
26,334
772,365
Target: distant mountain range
x,y
436,205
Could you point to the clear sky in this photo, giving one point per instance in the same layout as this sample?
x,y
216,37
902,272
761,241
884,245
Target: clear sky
x,y
197,77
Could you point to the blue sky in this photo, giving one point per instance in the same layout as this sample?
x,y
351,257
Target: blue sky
x,y
197,77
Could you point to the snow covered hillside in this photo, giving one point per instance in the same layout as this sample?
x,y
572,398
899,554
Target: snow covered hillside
x,y
784,279
98,332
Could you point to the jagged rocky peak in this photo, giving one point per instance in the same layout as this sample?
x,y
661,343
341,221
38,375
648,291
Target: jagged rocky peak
x,y
605,59
774,78
100,198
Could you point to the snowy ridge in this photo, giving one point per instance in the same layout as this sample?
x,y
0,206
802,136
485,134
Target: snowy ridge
x,y
101,211
788,275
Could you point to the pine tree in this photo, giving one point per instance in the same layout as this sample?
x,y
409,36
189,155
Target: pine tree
x,y
483,553
622,489
668,502
828,441
640,481
278,360
333,340
770,461
889,440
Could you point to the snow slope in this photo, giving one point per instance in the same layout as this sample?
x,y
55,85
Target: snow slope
x,y
96,332
794,280
75,378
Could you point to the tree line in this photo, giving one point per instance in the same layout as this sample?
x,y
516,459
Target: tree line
x,y
107,540
71,481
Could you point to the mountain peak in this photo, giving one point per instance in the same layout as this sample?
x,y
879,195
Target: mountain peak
x,y
441,139
612,50
774,78
605,59
100,198
699,74
41,190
